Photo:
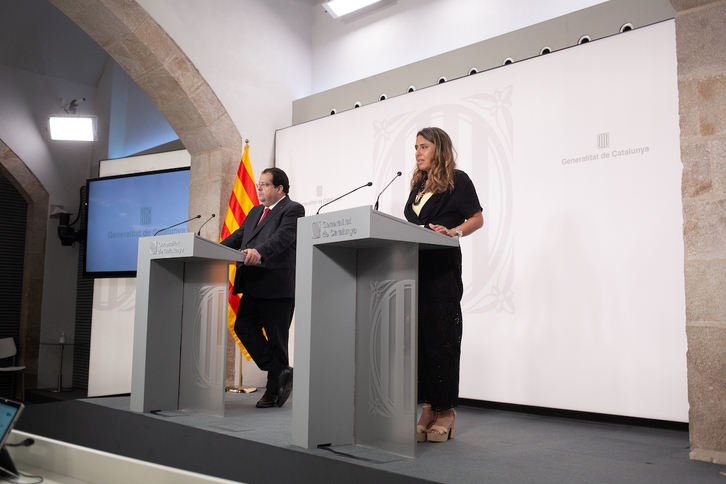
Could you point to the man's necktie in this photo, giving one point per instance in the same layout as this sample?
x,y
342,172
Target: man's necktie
x,y
264,214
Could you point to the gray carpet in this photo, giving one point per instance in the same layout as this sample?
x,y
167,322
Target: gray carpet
x,y
490,447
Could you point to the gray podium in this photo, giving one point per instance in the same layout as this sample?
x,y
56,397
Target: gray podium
x,y
355,329
180,325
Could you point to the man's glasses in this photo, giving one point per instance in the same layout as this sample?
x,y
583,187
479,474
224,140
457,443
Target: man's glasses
x,y
264,185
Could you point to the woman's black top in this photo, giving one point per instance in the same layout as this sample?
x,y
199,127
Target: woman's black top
x,y
450,208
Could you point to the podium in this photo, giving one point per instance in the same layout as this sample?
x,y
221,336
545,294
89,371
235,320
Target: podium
x,y
180,324
356,329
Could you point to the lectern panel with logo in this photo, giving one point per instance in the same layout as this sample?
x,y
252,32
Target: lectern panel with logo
x,y
180,324
355,329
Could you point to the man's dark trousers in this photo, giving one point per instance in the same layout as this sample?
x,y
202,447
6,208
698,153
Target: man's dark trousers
x,y
274,315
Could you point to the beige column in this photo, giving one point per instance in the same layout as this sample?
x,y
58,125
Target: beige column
x,y
701,51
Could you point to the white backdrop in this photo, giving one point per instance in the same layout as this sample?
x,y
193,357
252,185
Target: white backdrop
x,y
574,287
114,299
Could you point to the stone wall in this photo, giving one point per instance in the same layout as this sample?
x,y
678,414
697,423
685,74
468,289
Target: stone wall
x,y
701,50
36,196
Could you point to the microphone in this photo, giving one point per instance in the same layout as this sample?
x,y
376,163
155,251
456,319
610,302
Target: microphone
x,y
375,207
366,185
167,228
205,223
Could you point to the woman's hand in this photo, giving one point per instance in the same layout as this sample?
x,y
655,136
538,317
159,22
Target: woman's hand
x,y
443,230
473,223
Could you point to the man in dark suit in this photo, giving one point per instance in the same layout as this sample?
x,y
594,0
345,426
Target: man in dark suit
x,y
266,279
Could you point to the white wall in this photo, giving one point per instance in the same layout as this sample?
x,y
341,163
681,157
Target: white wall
x,y
405,31
260,55
27,99
136,124
104,98
255,54
129,120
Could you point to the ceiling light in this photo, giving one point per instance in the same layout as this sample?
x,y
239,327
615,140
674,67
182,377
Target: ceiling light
x,y
73,128
338,8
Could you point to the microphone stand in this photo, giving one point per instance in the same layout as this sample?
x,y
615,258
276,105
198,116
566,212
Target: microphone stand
x,y
172,226
205,223
366,185
375,207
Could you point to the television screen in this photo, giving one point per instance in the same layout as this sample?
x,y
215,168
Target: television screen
x,y
123,208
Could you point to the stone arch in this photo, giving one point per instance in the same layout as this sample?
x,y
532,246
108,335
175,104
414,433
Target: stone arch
x,y
154,61
36,196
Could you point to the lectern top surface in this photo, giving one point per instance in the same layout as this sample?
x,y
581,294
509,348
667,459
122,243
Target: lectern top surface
x,y
365,227
188,246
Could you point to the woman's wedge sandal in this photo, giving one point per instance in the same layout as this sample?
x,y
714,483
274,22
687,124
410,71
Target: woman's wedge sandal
x,y
438,433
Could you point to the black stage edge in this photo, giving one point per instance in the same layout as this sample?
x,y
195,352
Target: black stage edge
x,y
576,415
49,395
508,444
166,443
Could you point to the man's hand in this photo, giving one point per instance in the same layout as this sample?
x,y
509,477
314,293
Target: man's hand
x,y
253,257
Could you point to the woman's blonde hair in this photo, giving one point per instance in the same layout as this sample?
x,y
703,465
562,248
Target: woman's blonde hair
x,y
441,174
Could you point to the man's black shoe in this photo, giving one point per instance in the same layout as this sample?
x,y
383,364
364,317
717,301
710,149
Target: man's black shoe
x,y
284,385
268,400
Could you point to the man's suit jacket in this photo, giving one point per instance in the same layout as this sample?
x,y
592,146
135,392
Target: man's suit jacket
x,y
275,238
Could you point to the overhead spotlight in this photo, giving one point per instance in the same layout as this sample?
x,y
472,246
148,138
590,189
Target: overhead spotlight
x,y
411,88
584,39
508,61
357,105
333,111
473,71
73,128
626,27
382,97
545,50
442,80
338,8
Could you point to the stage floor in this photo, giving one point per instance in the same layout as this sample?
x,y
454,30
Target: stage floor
x,y
253,446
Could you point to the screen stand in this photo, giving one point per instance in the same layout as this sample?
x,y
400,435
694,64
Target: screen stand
x,y
7,468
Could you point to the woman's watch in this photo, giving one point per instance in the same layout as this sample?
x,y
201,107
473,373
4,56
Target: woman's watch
x,y
459,233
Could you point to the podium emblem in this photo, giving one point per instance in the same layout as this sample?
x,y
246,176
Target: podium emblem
x,y
317,229
391,363
208,337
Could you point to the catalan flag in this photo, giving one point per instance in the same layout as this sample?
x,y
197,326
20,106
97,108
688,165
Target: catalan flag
x,y
244,197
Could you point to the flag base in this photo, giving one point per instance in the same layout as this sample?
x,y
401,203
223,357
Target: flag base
x,y
241,390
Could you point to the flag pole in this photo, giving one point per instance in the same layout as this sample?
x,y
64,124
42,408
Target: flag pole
x,y
241,388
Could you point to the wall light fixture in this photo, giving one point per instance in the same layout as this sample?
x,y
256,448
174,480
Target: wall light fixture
x,y
73,128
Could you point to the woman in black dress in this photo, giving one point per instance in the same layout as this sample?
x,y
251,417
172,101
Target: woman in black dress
x,y
443,199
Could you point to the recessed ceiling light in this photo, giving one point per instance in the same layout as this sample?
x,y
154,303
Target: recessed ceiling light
x,y
338,8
